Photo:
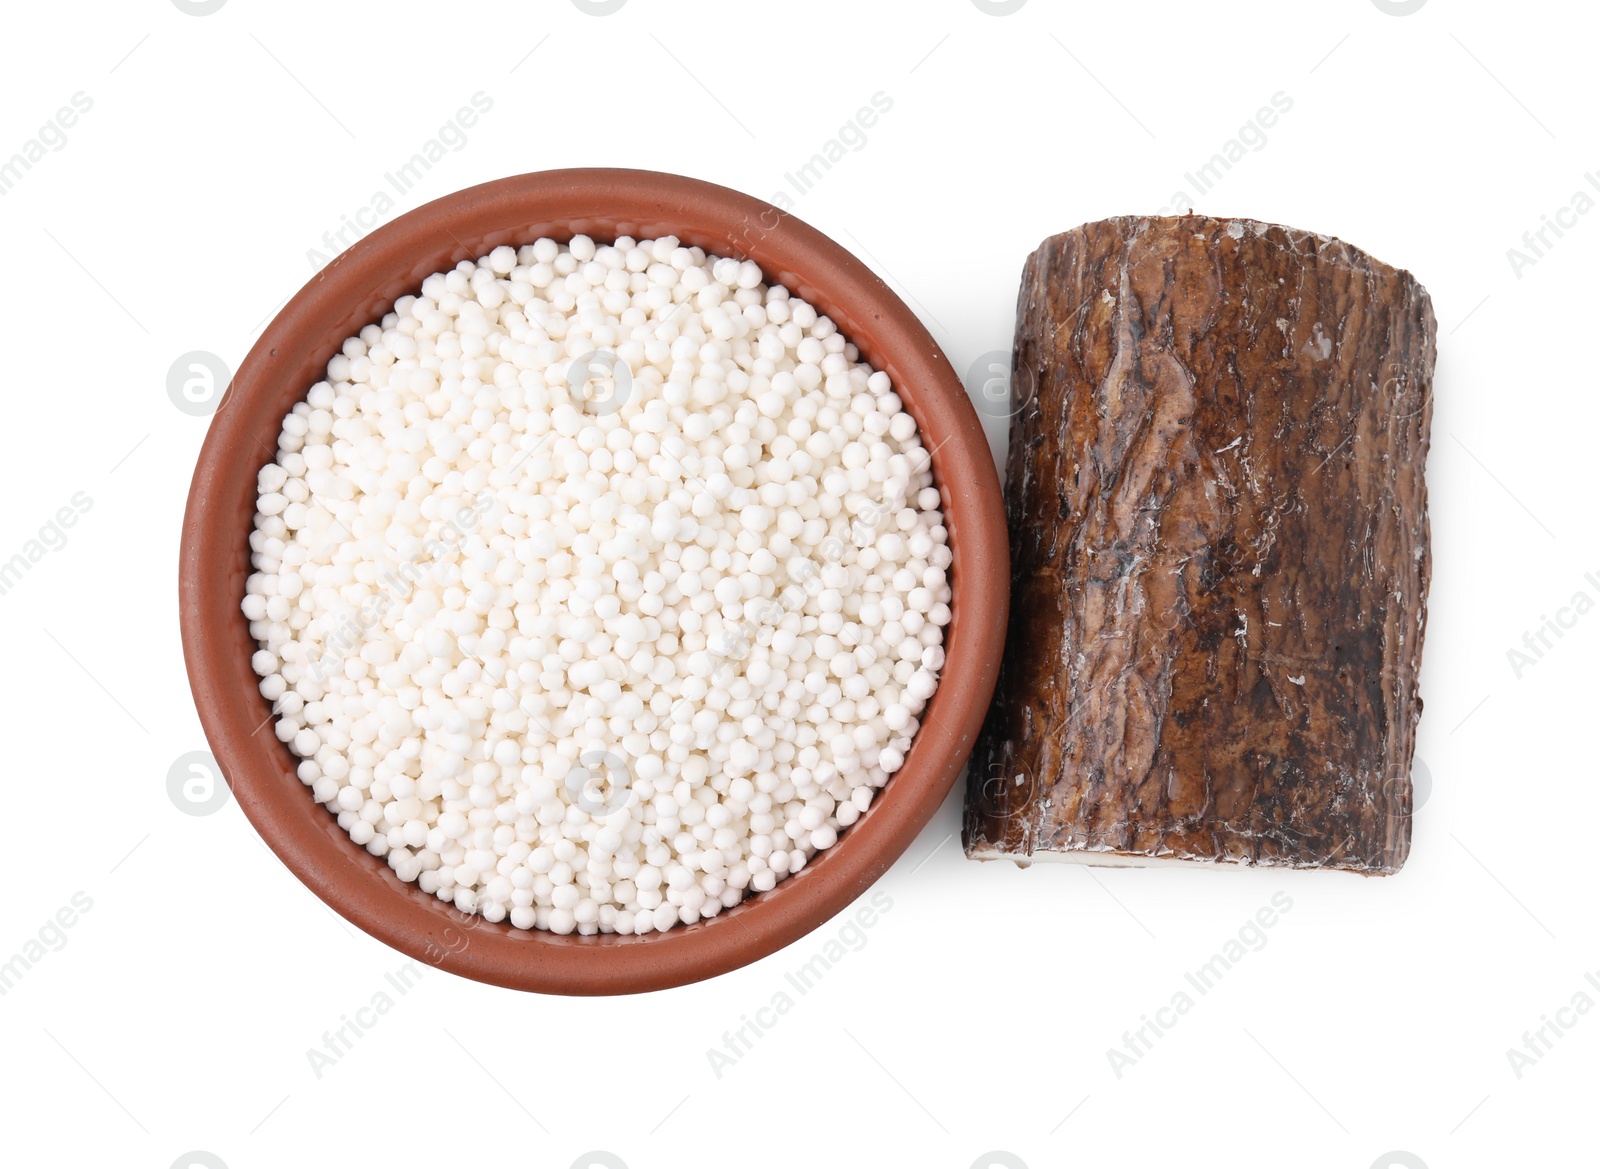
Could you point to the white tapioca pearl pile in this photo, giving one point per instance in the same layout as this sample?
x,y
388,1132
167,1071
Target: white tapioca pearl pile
x,y
598,586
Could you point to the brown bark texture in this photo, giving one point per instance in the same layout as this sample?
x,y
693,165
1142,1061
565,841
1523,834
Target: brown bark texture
x,y
1220,557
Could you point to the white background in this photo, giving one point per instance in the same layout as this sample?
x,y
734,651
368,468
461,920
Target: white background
x,y
978,1014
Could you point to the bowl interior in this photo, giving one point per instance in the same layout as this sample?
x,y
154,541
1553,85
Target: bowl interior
x,y
355,290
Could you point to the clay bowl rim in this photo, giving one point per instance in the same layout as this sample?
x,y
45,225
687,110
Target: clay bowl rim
x,y
354,290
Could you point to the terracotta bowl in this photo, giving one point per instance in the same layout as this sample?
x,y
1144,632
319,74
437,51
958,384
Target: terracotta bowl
x,y
355,290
